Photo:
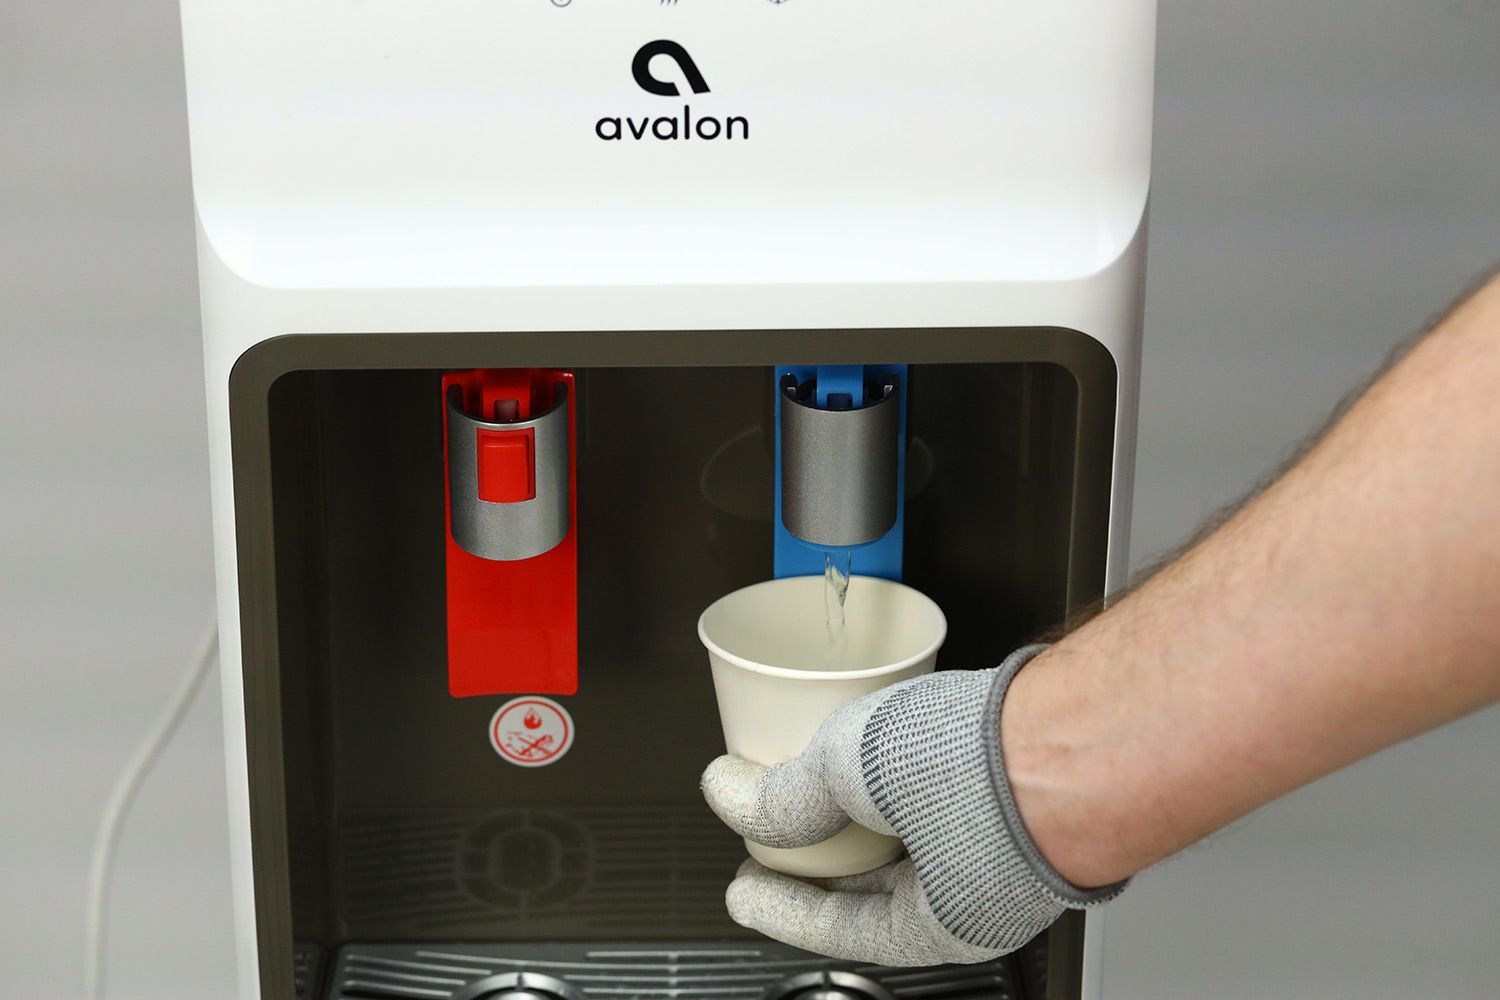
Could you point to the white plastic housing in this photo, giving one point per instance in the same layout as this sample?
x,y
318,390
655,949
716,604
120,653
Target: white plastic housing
x,y
390,165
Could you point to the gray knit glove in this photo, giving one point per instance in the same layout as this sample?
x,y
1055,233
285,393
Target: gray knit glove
x,y
920,760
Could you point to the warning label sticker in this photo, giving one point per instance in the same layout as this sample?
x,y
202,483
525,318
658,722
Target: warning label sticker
x,y
531,731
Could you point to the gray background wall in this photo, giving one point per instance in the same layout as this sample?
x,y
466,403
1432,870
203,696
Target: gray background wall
x,y
1327,177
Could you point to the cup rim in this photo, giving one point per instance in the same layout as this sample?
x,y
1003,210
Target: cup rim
x,y
795,673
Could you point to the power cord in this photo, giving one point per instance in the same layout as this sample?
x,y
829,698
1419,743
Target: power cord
x,y
121,796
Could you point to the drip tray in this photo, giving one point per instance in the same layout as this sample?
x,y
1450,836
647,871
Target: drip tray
x,y
644,972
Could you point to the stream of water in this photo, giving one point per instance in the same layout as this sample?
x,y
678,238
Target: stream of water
x,y
836,569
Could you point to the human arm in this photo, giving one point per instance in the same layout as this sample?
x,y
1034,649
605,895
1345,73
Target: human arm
x,y
1349,606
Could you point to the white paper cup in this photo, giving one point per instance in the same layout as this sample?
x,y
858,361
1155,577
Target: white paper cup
x,y
769,648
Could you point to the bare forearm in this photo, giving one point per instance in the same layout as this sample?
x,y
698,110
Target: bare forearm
x,y
1353,604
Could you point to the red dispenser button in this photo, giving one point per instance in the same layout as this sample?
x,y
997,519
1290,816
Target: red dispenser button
x,y
507,466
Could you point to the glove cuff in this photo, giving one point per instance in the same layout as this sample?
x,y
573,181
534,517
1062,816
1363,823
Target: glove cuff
x,y
1066,893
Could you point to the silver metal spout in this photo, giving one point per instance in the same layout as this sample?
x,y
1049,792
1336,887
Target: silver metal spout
x,y
839,466
526,528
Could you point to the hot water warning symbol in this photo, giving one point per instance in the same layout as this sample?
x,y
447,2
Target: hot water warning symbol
x,y
531,731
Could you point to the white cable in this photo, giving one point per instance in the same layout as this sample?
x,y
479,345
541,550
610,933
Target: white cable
x,y
107,839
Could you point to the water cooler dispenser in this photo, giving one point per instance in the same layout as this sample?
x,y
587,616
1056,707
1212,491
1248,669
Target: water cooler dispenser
x,y
532,328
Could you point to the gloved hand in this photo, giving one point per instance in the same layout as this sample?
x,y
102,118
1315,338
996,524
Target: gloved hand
x,y
920,760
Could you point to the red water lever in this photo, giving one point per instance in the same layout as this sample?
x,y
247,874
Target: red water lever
x,y
511,545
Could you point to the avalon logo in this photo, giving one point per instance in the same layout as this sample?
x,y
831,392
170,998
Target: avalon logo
x,y
641,68
668,128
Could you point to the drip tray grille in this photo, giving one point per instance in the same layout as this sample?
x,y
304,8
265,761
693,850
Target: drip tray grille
x,y
643,972
554,874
